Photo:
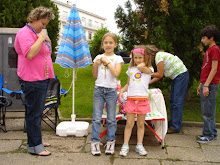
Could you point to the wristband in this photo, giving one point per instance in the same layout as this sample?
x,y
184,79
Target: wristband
x,y
205,86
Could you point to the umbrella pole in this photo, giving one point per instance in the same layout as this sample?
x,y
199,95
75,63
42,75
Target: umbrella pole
x,y
73,116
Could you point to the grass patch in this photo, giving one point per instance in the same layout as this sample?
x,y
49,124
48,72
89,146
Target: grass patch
x,y
19,151
84,86
174,160
23,140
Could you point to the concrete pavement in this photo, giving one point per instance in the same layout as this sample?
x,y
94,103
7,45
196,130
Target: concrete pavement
x,y
180,149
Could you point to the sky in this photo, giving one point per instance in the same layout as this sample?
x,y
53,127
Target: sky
x,y
104,8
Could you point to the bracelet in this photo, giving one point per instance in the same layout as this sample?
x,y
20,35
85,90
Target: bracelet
x,y
205,86
108,63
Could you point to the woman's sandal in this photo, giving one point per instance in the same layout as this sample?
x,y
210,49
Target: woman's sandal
x,y
43,153
46,144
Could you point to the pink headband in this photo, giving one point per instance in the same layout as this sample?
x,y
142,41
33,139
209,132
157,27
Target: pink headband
x,y
139,50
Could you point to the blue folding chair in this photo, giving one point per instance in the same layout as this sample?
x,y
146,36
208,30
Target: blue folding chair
x,y
52,103
54,94
53,106
6,102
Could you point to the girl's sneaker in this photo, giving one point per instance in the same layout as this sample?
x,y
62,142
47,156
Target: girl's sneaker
x,y
140,149
110,147
124,150
95,148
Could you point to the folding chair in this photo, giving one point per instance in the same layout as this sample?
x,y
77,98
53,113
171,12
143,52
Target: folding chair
x,y
54,94
6,102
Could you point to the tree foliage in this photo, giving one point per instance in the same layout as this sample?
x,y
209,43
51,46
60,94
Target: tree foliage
x,y
13,14
95,45
171,25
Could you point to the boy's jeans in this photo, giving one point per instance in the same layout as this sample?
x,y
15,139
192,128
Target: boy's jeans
x,y
109,96
208,107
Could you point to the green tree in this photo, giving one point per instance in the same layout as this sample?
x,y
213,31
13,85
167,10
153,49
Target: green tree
x,y
95,45
171,25
13,14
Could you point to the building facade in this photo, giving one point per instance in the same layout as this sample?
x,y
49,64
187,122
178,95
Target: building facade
x,y
90,22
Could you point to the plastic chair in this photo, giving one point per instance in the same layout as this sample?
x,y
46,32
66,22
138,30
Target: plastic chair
x,y
6,102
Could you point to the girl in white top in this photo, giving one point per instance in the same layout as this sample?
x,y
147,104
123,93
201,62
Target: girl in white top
x,y
106,69
139,76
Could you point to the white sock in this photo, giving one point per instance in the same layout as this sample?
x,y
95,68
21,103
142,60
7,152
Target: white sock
x,y
125,144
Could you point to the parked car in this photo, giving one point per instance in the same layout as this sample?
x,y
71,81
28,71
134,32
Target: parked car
x,y
125,56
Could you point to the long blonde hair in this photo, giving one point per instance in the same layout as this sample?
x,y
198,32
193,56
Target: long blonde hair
x,y
152,50
147,57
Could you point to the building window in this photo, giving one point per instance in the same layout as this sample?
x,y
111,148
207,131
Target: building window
x,y
90,36
90,23
12,57
96,25
102,25
83,21
64,15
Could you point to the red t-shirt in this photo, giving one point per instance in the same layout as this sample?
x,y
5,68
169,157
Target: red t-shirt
x,y
213,53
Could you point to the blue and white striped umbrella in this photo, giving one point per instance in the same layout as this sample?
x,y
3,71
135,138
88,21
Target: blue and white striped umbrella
x,y
73,50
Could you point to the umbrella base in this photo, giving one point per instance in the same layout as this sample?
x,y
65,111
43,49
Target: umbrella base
x,y
78,129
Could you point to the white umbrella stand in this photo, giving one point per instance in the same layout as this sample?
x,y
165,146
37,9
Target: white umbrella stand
x,y
77,128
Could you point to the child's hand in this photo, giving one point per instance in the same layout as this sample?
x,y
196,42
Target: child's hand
x,y
105,60
205,91
198,89
121,96
98,62
141,65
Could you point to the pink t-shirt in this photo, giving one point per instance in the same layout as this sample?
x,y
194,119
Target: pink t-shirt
x,y
34,69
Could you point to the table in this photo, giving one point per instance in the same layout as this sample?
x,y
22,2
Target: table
x,y
157,116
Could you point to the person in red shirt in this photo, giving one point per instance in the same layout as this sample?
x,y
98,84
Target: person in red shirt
x,y
209,83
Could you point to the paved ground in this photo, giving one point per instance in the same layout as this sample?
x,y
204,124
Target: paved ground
x,y
180,149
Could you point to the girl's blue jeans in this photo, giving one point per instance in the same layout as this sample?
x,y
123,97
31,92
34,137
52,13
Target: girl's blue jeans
x,y
178,91
35,96
109,96
208,107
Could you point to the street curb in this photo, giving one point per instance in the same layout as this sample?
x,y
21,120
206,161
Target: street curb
x,y
196,124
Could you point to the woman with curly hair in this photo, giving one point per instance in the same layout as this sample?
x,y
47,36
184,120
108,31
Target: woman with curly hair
x,y
34,71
